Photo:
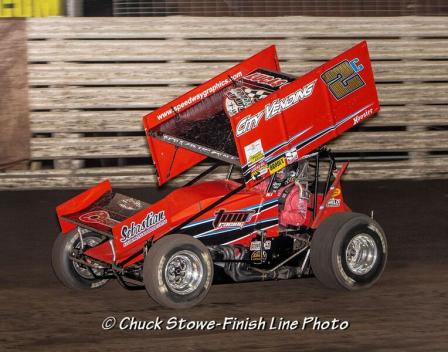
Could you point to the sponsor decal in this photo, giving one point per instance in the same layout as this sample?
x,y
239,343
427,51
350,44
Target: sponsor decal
x,y
279,105
333,203
236,100
343,78
263,78
250,122
254,151
259,170
101,217
358,118
335,193
256,245
130,204
232,218
150,223
256,256
199,148
277,165
291,156
200,96
355,66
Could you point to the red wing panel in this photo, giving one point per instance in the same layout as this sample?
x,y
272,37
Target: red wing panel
x,y
305,114
171,160
80,202
163,152
106,212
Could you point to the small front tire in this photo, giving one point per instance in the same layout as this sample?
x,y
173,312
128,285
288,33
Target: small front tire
x,y
70,273
348,251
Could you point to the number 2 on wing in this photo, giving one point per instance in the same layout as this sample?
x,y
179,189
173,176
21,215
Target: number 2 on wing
x,y
342,79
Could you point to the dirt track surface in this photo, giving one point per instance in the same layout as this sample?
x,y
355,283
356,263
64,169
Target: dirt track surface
x,y
406,311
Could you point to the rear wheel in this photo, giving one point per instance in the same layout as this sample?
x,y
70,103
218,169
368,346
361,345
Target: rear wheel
x,y
72,273
178,271
348,251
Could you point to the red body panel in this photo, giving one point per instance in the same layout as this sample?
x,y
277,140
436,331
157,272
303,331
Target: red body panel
x,y
157,219
185,202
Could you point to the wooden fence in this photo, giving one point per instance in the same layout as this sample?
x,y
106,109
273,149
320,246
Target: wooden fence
x,y
92,79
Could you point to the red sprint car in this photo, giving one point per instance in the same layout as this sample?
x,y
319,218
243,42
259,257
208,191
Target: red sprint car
x,y
278,214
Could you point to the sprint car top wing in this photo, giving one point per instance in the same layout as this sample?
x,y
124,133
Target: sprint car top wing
x,y
260,119
168,128
305,114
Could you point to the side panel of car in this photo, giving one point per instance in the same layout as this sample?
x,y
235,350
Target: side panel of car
x,y
231,220
236,219
333,201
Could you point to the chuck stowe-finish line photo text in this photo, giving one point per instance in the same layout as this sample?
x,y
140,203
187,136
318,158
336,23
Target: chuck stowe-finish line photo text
x,y
227,324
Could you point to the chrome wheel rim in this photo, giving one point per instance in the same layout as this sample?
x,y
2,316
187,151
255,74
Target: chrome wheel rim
x,y
80,269
183,272
361,254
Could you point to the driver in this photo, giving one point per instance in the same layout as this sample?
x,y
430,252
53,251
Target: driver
x,y
294,198
283,177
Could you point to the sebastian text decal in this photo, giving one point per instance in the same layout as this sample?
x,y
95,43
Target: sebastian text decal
x,y
149,224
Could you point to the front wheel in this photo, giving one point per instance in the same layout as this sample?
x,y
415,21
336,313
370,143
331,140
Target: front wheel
x,y
348,251
178,271
71,273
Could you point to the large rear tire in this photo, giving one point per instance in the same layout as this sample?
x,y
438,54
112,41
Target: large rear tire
x,y
348,251
70,273
178,271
